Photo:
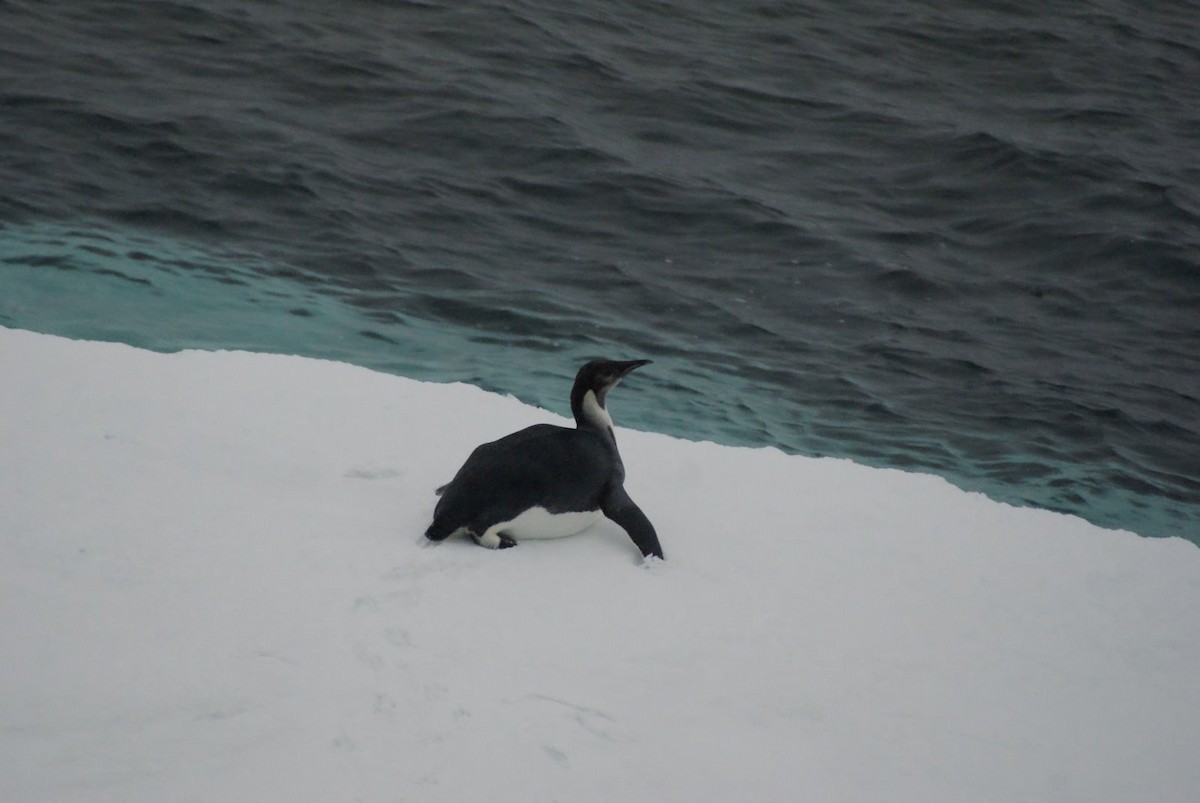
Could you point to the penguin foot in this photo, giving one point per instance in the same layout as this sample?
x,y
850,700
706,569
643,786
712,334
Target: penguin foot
x,y
494,541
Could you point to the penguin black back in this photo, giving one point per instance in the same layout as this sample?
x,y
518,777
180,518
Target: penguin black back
x,y
547,481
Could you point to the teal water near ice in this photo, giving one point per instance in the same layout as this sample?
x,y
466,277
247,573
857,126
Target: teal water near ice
x,y
167,295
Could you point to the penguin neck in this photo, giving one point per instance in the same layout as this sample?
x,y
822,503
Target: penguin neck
x,y
589,411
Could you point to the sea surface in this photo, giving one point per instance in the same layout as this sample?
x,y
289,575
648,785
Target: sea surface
x,y
952,237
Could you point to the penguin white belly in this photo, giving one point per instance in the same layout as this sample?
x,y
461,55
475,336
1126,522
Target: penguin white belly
x,y
538,523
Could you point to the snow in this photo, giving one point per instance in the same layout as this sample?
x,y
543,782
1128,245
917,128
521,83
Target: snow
x,y
212,588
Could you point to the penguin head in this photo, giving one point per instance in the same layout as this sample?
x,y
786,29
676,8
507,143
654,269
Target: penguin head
x,y
592,384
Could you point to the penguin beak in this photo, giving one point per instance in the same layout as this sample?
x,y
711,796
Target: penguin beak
x,y
624,368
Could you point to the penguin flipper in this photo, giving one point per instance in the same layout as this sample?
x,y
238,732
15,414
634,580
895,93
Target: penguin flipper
x,y
618,507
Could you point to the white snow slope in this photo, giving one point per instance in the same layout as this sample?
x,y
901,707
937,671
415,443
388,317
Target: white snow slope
x,y
212,589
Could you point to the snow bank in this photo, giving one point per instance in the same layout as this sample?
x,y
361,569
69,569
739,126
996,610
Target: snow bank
x,y
211,588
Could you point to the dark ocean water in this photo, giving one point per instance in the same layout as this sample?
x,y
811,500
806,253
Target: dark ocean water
x,y
954,237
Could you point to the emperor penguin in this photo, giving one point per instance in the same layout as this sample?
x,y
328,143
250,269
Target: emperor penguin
x,y
547,481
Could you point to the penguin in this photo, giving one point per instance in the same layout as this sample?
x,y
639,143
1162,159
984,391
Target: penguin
x,y
547,481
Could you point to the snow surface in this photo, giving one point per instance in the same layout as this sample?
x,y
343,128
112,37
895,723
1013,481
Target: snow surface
x,y
212,589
